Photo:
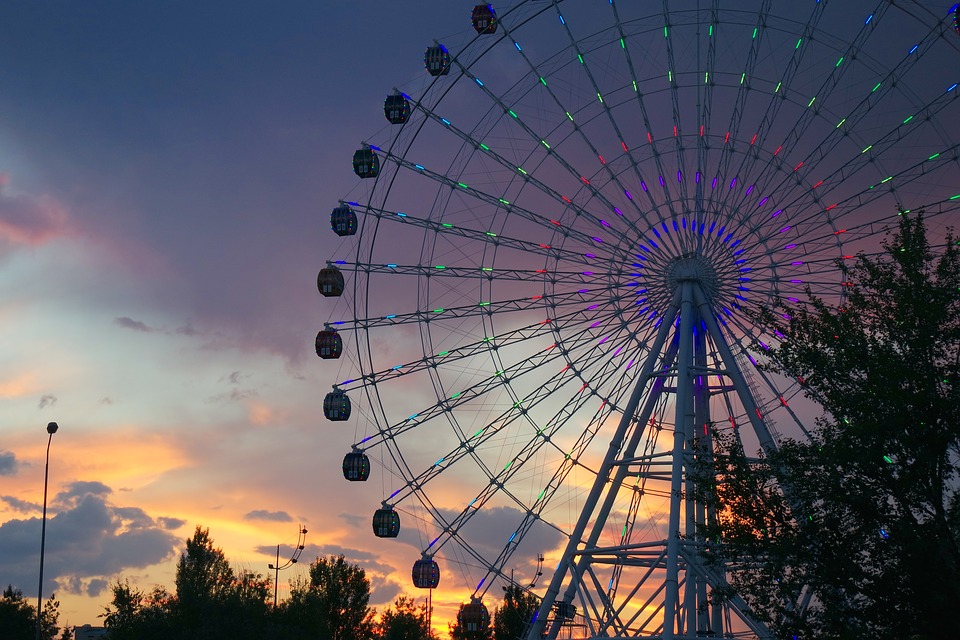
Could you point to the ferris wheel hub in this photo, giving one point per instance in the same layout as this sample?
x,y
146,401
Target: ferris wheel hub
x,y
692,267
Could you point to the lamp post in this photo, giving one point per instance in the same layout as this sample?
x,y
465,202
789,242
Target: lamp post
x,y
51,429
301,539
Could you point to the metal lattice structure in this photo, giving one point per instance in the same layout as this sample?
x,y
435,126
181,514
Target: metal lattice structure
x,y
553,259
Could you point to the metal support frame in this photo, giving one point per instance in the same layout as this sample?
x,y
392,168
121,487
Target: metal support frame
x,y
671,599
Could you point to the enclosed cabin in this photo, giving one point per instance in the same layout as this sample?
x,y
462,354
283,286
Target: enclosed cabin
x,y
473,616
484,19
437,60
386,523
343,221
329,344
356,466
426,573
956,18
396,108
366,164
336,406
330,282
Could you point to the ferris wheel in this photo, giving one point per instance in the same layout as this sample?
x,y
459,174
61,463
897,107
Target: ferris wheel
x,y
555,255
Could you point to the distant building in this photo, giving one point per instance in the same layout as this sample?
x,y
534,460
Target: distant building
x,y
86,632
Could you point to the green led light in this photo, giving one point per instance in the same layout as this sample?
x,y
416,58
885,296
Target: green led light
x,y
956,197
484,304
456,395
460,184
839,62
623,45
887,179
908,120
840,124
877,87
934,156
706,77
438,310
670,76
443,353
520,169
486,269
580,58
542,81
439,266
711,31
484,147
447,225
502,201
544,142
512,113
867,149
743,76
635,86
600,98
887,458
539,497
755,29
665,34
809,104
798,43
491,234
569,116
777,90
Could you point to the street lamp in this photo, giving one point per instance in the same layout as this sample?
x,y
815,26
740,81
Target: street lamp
x,y
301,539
51,429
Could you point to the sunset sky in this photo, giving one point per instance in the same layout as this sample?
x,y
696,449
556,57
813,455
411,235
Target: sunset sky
x,y
167,173
166,176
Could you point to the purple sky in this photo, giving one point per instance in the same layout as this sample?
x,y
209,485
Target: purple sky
x,y
167,171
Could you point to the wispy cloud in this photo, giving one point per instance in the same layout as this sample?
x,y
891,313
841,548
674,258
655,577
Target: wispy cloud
x,y
133,325
46,400
270,516
29,220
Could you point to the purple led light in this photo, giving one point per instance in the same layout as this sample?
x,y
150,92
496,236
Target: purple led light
x,y
784,229
789,246
749,189
661,181
776,213
733,182
714,184
618,212
764,201
630,197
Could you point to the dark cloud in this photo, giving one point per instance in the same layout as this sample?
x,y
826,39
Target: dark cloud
x,y
8,463
77,490
46,400
88,541
106,400
270,516
383,591
133,325
170,523
20,505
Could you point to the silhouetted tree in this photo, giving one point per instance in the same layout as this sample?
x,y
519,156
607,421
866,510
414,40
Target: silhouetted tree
x,y
212,601
18,618
861,522
333,604
405,621
515,613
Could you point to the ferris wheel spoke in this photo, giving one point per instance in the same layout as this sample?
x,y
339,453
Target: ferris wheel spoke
x,y
486,237
476,309
553,226
611,176
527,177
486,274
822,94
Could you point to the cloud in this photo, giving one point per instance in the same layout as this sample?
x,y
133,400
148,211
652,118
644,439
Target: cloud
x,y
28,220
21,505
170,523
46,400
133,325
88,541
8,463
270,516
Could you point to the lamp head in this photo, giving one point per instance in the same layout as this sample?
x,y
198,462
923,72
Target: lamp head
x,y
52,428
